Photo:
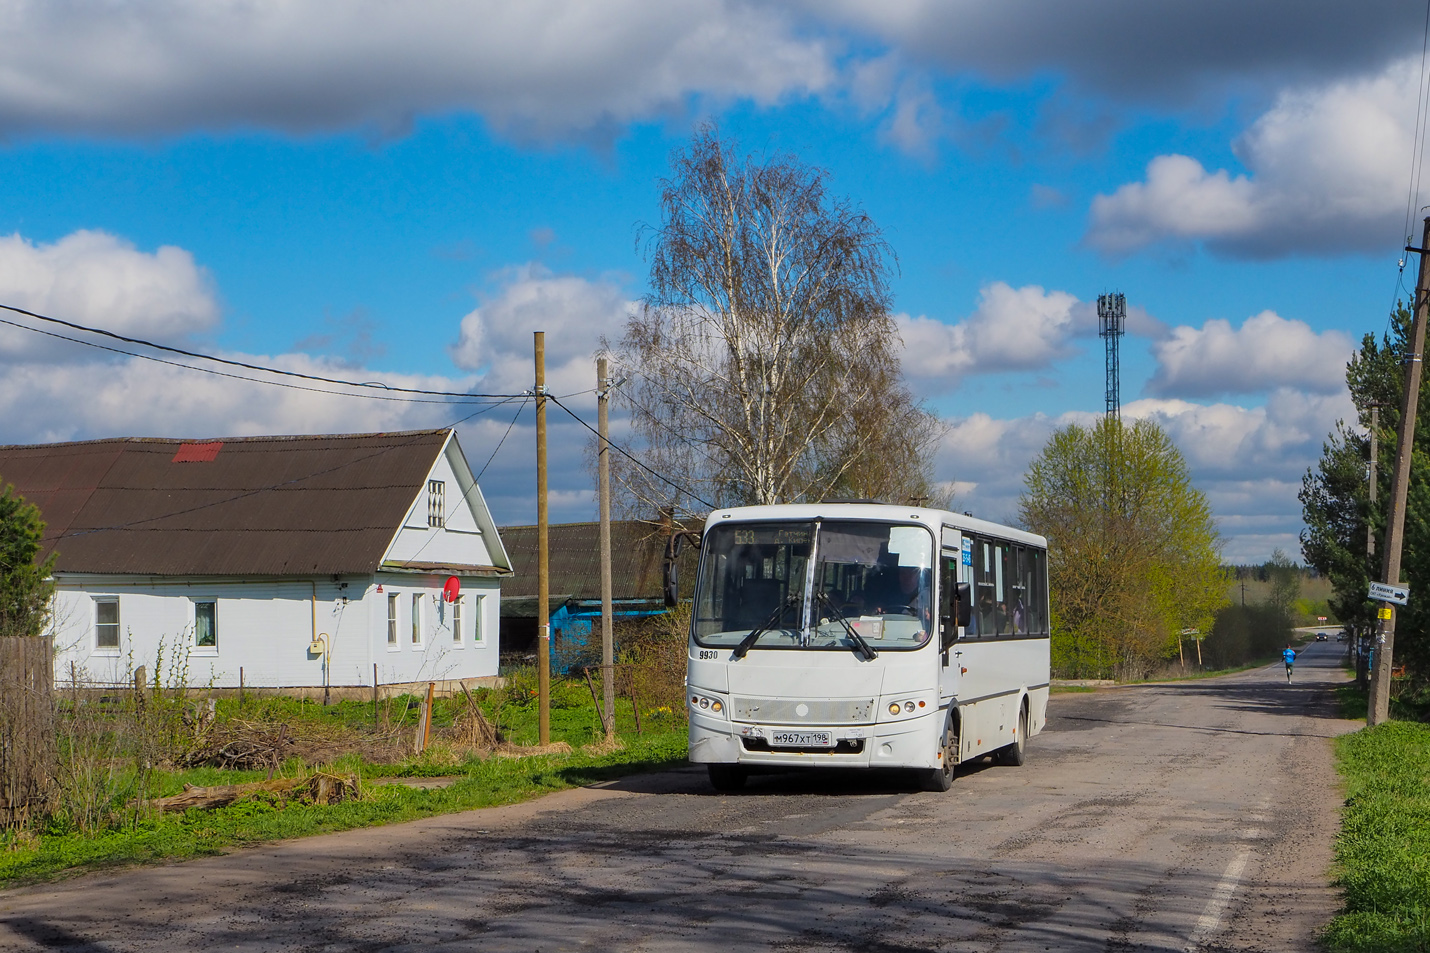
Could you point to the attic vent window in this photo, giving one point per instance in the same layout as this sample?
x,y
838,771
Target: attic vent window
x,y
198,452
436,502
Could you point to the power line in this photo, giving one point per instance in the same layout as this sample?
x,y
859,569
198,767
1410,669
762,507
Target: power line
x,y
519,409
264,489
616,447
238,377
655,418
1417,145
476,480
375,385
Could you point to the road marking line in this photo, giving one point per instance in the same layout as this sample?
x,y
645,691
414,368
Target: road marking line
x,y
1221,897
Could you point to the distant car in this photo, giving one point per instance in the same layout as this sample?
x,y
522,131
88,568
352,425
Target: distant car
x,y
1320,636
1341,637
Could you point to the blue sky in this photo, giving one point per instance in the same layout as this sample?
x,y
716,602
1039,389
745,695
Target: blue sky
x,y
405,194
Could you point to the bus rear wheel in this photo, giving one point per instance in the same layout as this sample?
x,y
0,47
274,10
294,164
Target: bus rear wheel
x,y
941,778
1016,753
727,777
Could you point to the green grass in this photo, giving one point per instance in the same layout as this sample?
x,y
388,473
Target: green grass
x,y
57,848
1383,850
197,833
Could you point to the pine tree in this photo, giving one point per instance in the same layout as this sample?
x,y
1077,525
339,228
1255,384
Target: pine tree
x,y
1336,503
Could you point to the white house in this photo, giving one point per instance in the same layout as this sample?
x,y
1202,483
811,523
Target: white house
x,y
285,561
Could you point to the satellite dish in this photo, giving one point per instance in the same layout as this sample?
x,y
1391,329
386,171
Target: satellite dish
x,y
452,589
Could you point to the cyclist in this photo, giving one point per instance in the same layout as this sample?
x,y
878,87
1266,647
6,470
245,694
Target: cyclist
x,y
1290,657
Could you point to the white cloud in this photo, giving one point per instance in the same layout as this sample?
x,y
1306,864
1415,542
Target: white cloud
x,y
1247,460
130,397
1279,439
916,120
496,341
61,391
538,68
1326,173
1267,351
1011,329
94,278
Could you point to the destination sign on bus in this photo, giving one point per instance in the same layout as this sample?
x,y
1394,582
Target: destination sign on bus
x,y
772,535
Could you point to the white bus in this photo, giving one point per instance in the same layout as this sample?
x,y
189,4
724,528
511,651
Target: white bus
x,y
865,635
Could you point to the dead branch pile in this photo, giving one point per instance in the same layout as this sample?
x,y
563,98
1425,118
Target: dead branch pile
x,y
243,745
318,788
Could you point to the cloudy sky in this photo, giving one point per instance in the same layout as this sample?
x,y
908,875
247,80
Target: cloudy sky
x,y
405,193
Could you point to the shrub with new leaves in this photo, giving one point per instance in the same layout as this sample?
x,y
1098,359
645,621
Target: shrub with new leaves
x,y
25,586
1133,553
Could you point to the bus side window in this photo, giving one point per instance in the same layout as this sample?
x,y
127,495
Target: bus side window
x,y
1018,600
985,584
1039,593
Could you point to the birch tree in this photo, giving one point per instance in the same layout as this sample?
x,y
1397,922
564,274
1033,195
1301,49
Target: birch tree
x,y
764,363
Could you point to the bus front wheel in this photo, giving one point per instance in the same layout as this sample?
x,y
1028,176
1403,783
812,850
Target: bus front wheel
x,y
941,778
727,777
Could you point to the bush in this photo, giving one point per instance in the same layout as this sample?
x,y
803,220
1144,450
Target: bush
x,y
653,656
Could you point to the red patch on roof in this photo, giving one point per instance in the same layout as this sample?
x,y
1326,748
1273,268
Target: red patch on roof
x,y
198,452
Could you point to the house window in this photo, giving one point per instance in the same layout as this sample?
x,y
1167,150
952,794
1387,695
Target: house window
x,y
477,618
106,623
206,625
392,618
436,502
457,619
417,618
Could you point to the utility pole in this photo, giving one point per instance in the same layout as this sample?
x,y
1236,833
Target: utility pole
x,y
603,469
1379,708
1374,458
1354,645
543,581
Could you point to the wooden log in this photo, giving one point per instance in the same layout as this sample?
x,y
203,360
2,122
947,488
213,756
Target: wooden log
x,y
320,788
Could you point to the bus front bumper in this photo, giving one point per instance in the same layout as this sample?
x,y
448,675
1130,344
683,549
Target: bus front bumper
x,y
911,743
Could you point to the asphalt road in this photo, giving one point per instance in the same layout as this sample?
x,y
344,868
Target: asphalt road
x,y
1195,815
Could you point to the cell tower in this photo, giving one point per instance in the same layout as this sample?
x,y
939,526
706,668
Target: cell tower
x,y
1111,318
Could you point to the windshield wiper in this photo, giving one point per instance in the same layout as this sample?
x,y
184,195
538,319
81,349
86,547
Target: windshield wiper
x,y
860,646
748,642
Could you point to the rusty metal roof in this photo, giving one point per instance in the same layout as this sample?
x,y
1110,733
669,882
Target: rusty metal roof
x,y
223,506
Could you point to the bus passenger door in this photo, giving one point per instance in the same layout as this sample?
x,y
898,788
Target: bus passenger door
x,y
948,628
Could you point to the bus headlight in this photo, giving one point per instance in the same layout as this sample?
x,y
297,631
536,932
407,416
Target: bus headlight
x,y
706,703
894,708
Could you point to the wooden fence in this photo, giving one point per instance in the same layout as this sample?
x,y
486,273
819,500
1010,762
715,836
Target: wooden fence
x,y
27,726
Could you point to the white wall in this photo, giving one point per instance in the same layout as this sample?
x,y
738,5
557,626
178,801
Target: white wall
x,y
460,541
438,654
265,627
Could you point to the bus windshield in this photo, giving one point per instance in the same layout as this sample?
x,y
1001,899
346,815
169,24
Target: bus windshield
x,y
874,578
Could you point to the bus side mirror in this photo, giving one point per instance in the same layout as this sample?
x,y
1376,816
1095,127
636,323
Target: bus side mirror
x,y
965,604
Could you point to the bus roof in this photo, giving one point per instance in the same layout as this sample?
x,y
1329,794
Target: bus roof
x,y
872,511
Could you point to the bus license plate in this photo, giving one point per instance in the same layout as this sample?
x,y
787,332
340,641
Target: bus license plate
x,y
801,739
